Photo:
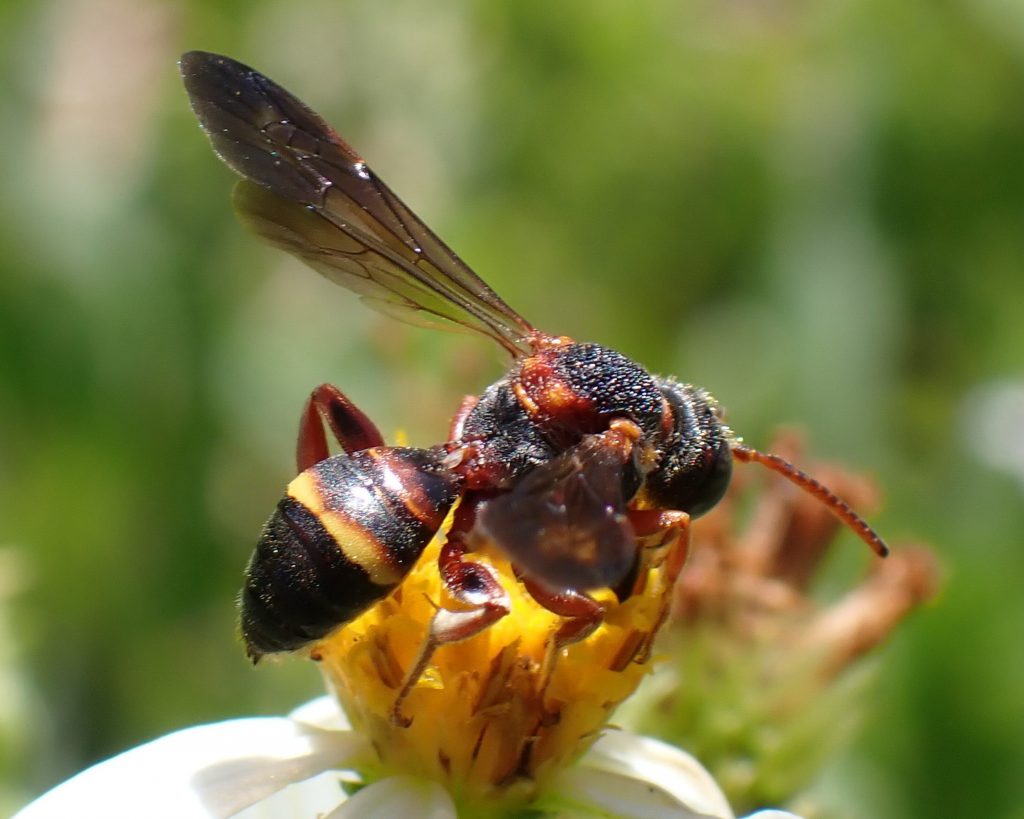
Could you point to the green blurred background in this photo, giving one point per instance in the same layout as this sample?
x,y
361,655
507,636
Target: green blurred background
x,y
814,209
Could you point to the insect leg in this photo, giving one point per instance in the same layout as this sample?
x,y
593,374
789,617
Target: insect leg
x,y
658,529
328,407
459,419
470,584
582,613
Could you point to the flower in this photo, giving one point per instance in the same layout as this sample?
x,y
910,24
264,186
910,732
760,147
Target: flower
x,y
512,719
494,717
303,766
509,719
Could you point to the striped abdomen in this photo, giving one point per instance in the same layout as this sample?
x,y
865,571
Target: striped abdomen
x,y
345,534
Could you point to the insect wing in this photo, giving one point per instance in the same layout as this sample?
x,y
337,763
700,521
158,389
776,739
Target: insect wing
x,y
342,259
564,523
316,198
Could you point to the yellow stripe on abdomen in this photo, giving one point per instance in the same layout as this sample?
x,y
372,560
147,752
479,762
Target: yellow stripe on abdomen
x,y
354,541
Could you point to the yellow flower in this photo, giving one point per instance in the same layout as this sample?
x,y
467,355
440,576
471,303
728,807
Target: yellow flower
x,y
496,716
501,721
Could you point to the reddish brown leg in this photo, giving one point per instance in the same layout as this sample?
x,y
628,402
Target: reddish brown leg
x,y
662,528
472,584
328,407
583,615
459,419
582,612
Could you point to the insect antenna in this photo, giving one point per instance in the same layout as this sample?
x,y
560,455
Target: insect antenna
x,y
840,508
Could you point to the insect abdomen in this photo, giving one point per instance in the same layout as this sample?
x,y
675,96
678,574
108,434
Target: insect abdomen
x,y
345,534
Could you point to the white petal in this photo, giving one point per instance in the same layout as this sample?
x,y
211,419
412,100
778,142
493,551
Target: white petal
x,y
656,763
398,796
316,796
605,793
208,771
772,814
323,712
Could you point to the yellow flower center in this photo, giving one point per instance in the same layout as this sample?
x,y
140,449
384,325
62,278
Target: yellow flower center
x,y
495,716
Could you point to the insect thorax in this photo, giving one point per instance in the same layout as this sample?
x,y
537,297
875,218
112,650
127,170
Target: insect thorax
x,y
549,401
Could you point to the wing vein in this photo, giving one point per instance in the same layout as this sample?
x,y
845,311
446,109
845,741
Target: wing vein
x,y
275,141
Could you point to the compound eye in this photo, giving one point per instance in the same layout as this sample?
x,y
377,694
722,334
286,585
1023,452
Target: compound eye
x,y
692,482
715,481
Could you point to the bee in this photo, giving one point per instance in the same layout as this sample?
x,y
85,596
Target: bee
x,y
572,463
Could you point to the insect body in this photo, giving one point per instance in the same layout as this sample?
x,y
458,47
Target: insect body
x,y
569,464
347,531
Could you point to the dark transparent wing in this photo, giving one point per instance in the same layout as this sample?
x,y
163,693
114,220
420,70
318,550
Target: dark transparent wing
x,y
564,523
316,198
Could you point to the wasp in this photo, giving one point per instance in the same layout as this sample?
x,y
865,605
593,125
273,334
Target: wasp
x,y
571,463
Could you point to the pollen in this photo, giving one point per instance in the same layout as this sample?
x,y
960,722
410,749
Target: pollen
x,y
493,718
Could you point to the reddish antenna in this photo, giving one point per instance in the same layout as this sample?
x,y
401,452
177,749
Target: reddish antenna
x,y
840,508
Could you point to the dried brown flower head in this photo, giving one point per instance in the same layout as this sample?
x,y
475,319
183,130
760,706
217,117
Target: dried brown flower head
x,y
764,680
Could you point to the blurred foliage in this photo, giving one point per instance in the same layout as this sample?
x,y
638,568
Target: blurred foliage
x,y
813,209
